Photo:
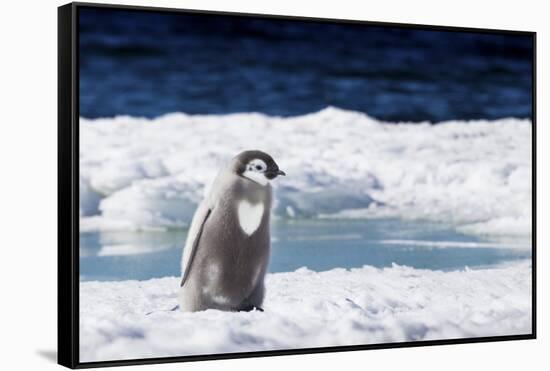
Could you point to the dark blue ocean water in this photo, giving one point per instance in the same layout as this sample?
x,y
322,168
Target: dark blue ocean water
x,y
148,64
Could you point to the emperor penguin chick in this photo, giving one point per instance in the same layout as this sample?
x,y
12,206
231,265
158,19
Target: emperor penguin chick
x,y
227,250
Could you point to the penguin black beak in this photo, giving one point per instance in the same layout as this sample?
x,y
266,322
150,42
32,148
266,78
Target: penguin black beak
x,y
274,174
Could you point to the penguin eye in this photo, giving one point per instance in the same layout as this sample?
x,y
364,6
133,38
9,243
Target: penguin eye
x,y
256,165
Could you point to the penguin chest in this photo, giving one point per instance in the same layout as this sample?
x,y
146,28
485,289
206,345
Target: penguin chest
x,y
250,216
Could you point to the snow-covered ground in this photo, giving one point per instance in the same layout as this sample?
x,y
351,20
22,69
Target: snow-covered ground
x,y
308,309
138,173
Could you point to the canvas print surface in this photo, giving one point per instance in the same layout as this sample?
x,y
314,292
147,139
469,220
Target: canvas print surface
x,y
253,184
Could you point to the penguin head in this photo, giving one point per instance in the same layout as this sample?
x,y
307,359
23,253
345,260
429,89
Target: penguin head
x,y
256,166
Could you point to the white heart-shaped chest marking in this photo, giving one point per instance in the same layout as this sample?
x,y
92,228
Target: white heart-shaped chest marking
x,y
250,216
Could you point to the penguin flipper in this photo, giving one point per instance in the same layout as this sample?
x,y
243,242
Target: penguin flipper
x,y
193,241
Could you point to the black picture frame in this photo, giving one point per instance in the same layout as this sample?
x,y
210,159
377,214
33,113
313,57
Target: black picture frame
x,y
68,192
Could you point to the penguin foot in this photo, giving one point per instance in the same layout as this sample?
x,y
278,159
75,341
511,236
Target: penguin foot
x,y
251,308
